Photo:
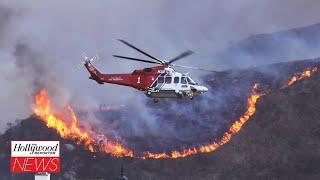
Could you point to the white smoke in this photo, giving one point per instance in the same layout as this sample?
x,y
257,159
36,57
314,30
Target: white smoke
x,y
55,33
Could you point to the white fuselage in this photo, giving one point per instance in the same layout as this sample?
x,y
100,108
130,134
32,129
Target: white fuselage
x,y
172,84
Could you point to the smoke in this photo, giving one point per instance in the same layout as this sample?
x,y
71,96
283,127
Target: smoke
x,y
42,42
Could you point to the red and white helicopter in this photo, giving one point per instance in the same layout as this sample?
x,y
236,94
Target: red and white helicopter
x,y
160,81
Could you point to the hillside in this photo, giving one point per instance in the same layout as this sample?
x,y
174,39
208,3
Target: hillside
x,y
293,44
279,142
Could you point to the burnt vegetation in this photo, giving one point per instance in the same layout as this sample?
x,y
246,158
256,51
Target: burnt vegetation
x,y
279,141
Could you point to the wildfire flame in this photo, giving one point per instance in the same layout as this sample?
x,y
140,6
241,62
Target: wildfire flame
x,y
72,130
66,130
300,76
235,127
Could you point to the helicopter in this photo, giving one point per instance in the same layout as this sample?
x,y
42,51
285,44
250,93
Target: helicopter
x,y
160,81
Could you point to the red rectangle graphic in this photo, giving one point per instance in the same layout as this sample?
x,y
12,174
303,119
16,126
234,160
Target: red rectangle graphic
x,y
35,164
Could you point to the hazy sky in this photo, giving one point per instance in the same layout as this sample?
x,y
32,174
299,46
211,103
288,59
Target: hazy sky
x,y
41,41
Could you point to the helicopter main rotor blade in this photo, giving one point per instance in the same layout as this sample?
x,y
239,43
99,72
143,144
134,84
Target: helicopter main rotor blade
x,y
135,59
195,68
139,50
182,55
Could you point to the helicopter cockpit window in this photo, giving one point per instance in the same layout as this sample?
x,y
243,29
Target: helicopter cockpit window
x,y
168,80
160,80
176,80
190,81
183,80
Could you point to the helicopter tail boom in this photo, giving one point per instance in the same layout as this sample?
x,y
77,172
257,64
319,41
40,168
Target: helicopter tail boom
x,y
95,74
120,79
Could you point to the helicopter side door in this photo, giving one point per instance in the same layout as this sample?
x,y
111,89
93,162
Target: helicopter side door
x,y
168,85
176,83
184,84
159,82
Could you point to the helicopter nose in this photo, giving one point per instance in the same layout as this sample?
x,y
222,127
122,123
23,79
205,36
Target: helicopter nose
x,y
205,89
202,89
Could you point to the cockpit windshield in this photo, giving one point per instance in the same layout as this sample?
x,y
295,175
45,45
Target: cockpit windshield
x,y
190,81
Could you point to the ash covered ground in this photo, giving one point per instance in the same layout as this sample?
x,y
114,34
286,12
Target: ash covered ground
x,y
280,141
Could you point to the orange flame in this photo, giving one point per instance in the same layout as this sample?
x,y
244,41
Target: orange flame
x,y
300,76
44,111
235,127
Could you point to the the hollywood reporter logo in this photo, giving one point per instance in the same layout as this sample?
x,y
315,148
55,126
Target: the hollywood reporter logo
x,y
35,156
35,149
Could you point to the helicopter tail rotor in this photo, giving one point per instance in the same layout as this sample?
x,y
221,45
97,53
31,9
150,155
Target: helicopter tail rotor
x,y
87,59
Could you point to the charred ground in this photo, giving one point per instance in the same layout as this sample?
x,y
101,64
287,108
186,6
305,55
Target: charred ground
x,y
185,123
280,141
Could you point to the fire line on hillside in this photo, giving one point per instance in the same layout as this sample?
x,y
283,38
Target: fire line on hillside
x,y
68,126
